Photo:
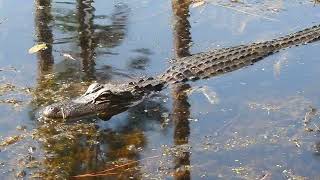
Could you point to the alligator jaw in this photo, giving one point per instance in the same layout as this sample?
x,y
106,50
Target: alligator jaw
x,y
66,109
76,108
52,111
71,109
97,99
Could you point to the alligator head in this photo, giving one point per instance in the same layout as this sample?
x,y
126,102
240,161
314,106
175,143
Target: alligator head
x,y
108,99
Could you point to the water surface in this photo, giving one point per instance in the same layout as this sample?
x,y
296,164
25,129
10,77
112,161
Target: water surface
x,y
254,128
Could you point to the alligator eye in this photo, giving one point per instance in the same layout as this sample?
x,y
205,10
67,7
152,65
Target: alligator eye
x,y
51,111
54,109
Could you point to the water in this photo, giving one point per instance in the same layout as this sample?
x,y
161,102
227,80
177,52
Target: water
x,y
252,127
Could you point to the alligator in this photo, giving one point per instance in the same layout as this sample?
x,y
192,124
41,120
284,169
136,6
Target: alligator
x,y
110,99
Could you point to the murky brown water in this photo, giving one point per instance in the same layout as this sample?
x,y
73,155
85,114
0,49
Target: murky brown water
x,y
260,122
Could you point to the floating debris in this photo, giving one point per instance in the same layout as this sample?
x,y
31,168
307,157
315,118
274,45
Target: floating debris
x,y
193,119
9,69
4,88
297,143
267,107
197,3
207,92
288,174
277,66
239,170
252,11
8,87
307,121
3,20
10,140
38,47
309,115
68,56
14,102
21,128
266,176
33,164
21,174
31,150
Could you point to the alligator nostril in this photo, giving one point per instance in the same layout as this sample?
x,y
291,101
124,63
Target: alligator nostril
x,y
46,111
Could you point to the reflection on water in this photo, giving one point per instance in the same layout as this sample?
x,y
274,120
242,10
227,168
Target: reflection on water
x,y
43,18
90,37
262,128
85,16
72,149
180,110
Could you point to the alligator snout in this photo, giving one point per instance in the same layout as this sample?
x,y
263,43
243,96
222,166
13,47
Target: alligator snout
x,y
71,109
52,111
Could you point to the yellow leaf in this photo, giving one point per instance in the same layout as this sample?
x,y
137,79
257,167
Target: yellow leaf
x,y
37,47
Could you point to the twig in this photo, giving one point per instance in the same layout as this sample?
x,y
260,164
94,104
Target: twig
x,y
63,114
309,115
93,175
3,20
104,172
227,124
318,129
267,176
244,12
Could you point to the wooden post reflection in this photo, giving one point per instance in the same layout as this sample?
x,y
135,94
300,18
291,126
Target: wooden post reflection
x,y
43,19
86,32
43,31
181,112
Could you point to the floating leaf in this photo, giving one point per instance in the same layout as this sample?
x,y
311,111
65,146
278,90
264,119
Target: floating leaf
x,y
37,47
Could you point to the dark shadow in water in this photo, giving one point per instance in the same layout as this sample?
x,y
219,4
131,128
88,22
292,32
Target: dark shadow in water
x,y
141,61
317,148
181,107
109,36
92,35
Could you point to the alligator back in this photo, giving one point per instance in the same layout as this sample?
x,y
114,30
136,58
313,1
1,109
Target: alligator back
x,y
112,99
207,64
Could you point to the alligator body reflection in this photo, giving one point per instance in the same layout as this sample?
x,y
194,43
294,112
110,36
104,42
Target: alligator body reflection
x,y
112,99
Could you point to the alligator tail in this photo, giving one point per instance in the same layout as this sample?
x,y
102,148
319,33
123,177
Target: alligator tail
x,y
305,36
207,64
